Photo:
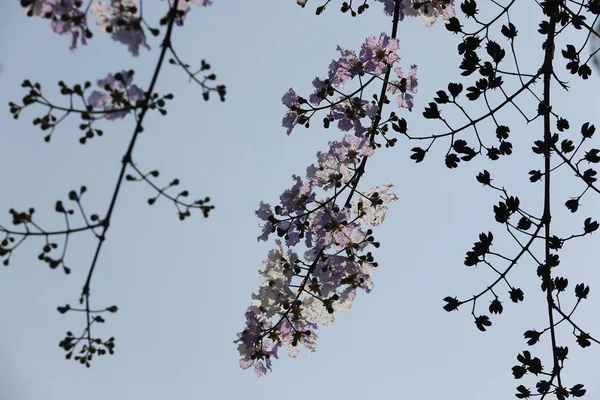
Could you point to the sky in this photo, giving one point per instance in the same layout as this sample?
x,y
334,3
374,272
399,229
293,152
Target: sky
x,y
182,287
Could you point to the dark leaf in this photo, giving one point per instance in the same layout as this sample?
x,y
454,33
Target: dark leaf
x,y
455,89
482,322
518,371
532,336
452,303
581,291
452,160
509,31
418,154
496,307
590,226
578,390
516,295
587,130
484,177
524,223
535,175
584,340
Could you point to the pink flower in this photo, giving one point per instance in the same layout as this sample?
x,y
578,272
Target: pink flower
x,y
376,54
121,21
117,93
429,12
67,18
345,68
405,87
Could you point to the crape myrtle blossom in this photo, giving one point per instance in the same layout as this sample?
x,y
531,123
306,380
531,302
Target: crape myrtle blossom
x,y
299,293
349,114
120,20
375,57
117,93
405,87
367,208
377,54
66,16
290,100
184,5
429,10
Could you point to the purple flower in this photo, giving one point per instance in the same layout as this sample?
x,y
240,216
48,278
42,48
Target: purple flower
x,y
296,294
349,114
66,16
332,228
374,204
121,21
405,90
116,94
344,69
328,173
296,198
290,100
252,348
376,54
184,5
429,12
264,212
351,149
320,92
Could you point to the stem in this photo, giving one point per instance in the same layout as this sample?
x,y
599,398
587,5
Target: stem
x,y
128,155
546,217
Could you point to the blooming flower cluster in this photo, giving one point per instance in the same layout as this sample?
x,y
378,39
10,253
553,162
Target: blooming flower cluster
x,y
184,5
117,95
375,57
66,16
298,293
119,18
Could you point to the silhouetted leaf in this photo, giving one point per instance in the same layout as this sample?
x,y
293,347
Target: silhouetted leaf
x,y
452,303
516,295
532,336
584,340
572,204
482,322
581,291
577,390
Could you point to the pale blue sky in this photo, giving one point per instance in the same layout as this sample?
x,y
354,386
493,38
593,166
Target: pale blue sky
x,y
183,287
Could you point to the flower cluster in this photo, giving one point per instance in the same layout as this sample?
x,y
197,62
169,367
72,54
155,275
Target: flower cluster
x,y
184,5
372,62
121,19
429,10
117,95
298,293
66,16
